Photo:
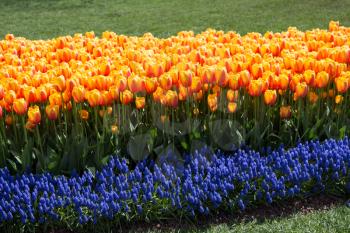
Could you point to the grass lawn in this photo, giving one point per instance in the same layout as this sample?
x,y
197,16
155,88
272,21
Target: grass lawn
x,y
41,19
334,220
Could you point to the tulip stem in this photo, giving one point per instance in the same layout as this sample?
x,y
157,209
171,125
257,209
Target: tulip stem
x,y
40,156
24,130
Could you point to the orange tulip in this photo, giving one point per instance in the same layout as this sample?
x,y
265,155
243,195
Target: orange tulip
x,y
322,79
213,102
257,70
342,84
301,90
165,81
221,76
55,99
270,97
84,114
2,93
309,76
135,84
121,83
8,120
10,96
283,82
94,98
20,106
255,88
30,125
78,94
114,129
126,97
231,95
313,97
105,68
185,78
285,112
41,95
339,99
60,82
232,107
171,98
233,81
52,112
34,115
150,85
244,78
140,102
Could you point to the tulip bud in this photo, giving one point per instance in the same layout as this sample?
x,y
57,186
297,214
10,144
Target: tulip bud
x,y
84,114
285,112
232,107
339,99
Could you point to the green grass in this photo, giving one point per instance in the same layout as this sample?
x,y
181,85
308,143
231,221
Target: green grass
x,y
327,221
42,19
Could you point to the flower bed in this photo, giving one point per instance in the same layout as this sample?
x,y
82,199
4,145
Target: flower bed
x,y
68,102
200,185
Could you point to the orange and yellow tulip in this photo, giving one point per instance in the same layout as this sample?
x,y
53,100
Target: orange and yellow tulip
x,y
270,97
20,106
34,115
52,112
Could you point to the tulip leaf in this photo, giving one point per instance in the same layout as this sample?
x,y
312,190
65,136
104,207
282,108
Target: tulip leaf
x,y
140,146
227,134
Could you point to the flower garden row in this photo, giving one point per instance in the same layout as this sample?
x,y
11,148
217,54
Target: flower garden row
x,y
113,92
203,183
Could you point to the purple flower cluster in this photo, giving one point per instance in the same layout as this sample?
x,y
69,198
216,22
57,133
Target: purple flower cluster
x,y
224,181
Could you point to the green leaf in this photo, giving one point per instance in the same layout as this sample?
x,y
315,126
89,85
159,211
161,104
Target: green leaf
x,y
342,132
140,146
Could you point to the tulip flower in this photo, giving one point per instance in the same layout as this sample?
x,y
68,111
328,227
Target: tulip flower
x,y
255,88
301,90
322,79
34,115
8,120
339,99
126,97
78,94
185,78
20,106
55,99
2,93
52,112
285,112
84,114
232,96
94,98
342,84
270,97
232,107
140,102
